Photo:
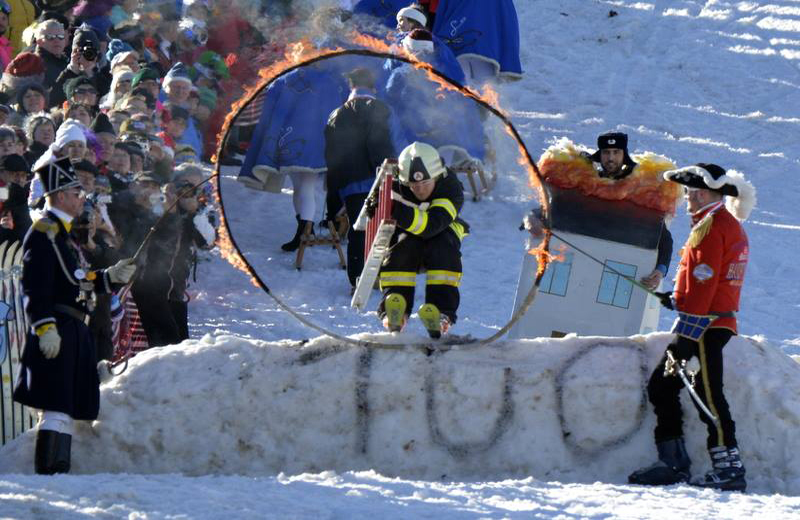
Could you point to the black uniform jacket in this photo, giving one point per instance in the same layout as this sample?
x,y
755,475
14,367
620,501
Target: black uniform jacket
x,y
437,214
51,270
357,140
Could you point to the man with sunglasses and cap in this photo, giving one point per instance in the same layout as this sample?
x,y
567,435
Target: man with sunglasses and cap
x,y
426,200
706,297
59,370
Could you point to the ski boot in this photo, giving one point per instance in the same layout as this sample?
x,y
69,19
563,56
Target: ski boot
x,y
395,316
672,466
437,323
727,473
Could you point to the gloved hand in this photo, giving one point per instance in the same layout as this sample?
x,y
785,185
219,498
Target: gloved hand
x,y
104,371
682,348
122,271
50,342
666,299
204,227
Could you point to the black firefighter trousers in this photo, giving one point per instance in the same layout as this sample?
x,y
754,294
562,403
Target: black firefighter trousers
x,y
664,393
440,255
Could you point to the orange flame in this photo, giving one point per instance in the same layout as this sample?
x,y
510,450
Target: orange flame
x,y
226,247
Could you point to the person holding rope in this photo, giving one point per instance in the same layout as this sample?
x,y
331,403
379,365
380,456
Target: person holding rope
x,y
612,161
59,370
706,297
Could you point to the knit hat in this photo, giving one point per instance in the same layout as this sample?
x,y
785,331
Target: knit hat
x,y
122,56
208,97
143,74
15,163
178,72
116,46
413,14
57,175
418,41
70,130
71,85
92,8
178,112
707,176
129,126
24,69
211,65
102,125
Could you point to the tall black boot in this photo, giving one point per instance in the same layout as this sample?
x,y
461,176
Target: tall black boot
x,y
53,452
672,467
294,243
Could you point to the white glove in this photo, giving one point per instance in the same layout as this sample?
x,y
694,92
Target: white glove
x,y
104,371
122,271
205,228
50,343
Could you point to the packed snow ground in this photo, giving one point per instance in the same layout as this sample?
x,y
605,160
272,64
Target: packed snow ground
x,y
696,81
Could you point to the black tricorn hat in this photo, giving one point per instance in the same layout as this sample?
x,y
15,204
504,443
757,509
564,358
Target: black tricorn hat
x,y
58,175
707,176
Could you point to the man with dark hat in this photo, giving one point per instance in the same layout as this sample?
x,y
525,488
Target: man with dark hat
x,y
106,137
81,89
83,62
14,173
706,298
59,372
357,140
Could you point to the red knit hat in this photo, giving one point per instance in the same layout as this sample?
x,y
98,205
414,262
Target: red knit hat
x,y
25,69
25,64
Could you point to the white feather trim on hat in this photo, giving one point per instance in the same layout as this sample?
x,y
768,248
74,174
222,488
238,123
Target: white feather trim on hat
x,y
413,14
742,205
417,46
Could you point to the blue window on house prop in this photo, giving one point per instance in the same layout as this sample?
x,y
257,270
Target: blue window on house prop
x,y
614,289
556,276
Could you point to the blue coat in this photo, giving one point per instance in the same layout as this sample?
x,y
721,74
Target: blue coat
x,y
69,382
487,29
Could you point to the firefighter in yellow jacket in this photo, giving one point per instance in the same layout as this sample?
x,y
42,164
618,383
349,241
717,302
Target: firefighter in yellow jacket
x,y
427,199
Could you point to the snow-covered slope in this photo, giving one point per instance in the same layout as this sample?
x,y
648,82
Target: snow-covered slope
x,y
697,81
569,410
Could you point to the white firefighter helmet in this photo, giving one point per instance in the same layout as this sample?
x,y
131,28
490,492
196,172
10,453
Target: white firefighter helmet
x,y
419,162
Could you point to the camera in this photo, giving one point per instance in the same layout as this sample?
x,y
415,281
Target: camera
x,y
89,52
84,222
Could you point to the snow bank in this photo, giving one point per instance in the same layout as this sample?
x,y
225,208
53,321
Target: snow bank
x,y
570,409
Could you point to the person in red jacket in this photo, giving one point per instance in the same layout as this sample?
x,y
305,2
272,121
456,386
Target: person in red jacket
x,y
706,297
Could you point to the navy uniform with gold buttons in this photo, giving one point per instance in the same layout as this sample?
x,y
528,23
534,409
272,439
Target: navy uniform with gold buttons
x,y
59,363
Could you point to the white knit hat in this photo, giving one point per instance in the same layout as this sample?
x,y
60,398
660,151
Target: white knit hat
x,y
413,14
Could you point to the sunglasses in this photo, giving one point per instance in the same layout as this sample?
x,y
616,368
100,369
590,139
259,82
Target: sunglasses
x,y
85,91
52,37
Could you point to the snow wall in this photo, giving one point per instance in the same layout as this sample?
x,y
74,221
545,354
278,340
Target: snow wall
x,y
571,409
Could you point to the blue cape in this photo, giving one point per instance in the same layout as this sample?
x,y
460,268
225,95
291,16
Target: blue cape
x,y
486,28
441,119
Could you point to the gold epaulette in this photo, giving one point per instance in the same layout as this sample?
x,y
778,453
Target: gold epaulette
x,y
46,225
700,230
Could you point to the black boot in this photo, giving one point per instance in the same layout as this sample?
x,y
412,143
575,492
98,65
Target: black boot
x,y
672,466
727,473
294,243
52,452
